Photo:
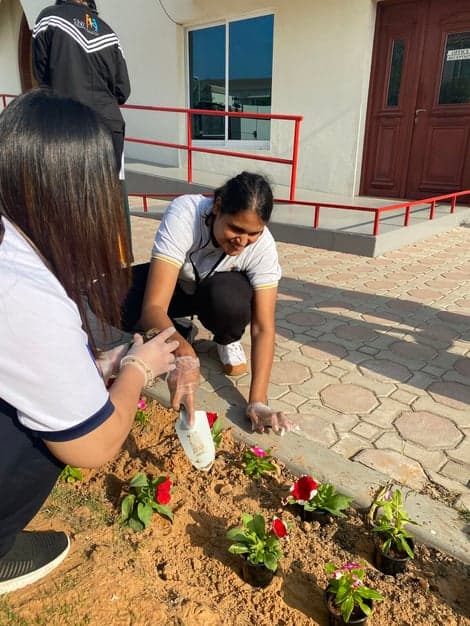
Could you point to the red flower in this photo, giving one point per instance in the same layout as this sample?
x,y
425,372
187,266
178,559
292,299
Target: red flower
x,y
211,418
162,492
304,489
278,528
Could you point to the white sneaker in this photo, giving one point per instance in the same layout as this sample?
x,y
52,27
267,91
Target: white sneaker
x,y
233,358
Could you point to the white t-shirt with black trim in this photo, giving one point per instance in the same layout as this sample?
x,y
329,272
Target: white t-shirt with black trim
x,y
47,371
184,238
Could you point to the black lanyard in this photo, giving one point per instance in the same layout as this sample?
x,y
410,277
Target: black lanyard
x,y
197,276
209,219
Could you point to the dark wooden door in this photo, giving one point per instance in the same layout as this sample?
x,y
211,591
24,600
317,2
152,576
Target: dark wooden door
x,y
418,131
24,56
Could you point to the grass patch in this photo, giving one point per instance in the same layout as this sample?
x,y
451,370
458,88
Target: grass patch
x,y
465,514
64,501
9,616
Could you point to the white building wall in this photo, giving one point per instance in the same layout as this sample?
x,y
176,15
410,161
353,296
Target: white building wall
x,y
321,67
10,19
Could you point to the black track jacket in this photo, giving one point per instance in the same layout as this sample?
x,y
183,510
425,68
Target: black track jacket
x,y
77,54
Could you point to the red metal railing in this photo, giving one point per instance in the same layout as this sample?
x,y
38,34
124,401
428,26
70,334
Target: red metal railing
x,y
5,97
190,148
377,211
293,162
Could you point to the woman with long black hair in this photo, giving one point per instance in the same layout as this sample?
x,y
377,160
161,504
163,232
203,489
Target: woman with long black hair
x,y
61,244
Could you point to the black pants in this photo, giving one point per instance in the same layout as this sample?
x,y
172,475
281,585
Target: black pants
x,y
28,471
222,303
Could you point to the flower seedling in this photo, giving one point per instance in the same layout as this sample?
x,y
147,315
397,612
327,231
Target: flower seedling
x,y
71,474
141,417
259,545
346,586
145,497
215,424
390,525
258,462
306,492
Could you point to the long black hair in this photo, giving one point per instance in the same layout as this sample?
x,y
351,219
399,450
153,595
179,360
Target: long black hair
x,y
59,186
246,192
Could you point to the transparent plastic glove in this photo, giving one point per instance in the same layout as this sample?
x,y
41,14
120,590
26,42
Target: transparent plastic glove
x,y
262,417
182,383
157,353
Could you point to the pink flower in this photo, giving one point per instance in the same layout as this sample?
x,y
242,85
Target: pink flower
x,y
162,492
211,418
258,451
337,574
142,404
304,489
279,528
357,582
350,566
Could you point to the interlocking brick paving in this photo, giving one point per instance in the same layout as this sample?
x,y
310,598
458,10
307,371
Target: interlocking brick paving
x,y
385,378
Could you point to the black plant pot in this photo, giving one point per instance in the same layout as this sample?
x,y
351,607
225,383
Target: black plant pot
x,y
317,515
256,575
392,564
335,617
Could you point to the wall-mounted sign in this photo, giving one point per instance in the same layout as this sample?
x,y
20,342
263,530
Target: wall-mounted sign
x,y
463,54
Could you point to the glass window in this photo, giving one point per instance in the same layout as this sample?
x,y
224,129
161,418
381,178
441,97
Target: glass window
x,y
230,69
396,68
455,81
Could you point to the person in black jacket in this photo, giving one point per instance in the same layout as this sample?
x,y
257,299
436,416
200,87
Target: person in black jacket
x,y
78,56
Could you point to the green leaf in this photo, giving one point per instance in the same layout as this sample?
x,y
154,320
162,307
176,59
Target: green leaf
x,y
259,525
347,608
369,594
236,534
238,548
165,510
71,474
365,608
405,547
127,506
135,524
339,502
144,512
270,561
139,480
246,518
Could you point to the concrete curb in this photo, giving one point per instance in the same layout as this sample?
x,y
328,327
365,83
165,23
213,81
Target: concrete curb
x,y
440,526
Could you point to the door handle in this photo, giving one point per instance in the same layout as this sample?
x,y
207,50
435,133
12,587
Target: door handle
x,y
417,112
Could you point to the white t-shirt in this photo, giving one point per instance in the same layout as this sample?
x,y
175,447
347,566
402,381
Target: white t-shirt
x,y
184,238
47,371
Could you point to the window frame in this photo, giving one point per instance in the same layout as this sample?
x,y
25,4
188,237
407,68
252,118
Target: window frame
x,y
241,144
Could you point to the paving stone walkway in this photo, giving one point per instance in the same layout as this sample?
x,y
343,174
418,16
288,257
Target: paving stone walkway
x,y
372,356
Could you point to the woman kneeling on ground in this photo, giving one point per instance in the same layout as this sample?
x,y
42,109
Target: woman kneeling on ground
x,y
215,258
61,227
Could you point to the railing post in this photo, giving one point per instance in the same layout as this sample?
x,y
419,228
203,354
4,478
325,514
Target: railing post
x,y
432,209
145,204
376,222
453,203
295,158
316,219
189,136
407,215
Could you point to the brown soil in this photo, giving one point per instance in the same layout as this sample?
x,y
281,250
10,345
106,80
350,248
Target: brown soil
x,y
181,573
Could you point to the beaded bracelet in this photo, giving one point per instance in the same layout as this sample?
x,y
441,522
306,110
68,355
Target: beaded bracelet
x,y
141,365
